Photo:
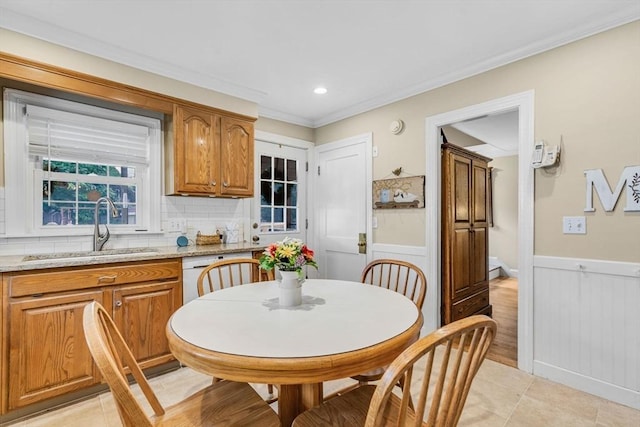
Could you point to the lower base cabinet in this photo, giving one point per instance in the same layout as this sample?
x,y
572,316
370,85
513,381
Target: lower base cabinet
x,y
44,350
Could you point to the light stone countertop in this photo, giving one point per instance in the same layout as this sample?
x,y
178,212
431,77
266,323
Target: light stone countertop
x,y
17,263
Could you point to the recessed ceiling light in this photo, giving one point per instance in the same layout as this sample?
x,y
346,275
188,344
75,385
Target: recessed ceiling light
x,y
320,90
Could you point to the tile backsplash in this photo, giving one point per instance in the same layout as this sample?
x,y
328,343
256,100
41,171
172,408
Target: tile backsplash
x,y
202,214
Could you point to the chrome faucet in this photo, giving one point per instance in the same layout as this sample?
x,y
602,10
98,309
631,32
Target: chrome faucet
x,y
100,239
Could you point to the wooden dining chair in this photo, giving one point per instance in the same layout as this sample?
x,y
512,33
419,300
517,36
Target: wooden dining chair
x,y
399,276
227,273
437,369
223,403
231,272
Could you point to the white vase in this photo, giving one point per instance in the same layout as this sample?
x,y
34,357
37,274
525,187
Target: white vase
x,y
290,289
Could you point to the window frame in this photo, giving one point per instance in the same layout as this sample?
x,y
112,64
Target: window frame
x,y
21,173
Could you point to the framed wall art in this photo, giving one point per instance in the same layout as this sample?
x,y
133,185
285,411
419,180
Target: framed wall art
x,y
399,193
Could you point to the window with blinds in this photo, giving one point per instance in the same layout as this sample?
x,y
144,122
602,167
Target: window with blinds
x,y
72,154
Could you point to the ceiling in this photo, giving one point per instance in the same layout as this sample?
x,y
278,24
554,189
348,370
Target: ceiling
x,y
274,52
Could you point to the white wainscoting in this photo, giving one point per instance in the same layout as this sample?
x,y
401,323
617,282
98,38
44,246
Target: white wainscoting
x,y
416,255
587,326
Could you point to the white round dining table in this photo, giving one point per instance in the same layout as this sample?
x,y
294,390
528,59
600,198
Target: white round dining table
x,y
341,329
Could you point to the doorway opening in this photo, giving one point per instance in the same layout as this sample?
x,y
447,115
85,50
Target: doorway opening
x,y
522,105
495,136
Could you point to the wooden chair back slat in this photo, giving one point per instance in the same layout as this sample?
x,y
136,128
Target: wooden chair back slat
x,y
227,273
399,276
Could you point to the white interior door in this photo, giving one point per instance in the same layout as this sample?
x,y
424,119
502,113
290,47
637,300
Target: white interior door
x,y
280,205
342,206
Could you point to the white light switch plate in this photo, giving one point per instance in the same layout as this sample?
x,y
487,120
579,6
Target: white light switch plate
x,y
574,225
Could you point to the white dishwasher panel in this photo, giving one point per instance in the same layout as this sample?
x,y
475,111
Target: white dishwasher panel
x,y
193,266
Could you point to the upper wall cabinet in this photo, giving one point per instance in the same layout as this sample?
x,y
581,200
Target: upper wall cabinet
x,y
212,154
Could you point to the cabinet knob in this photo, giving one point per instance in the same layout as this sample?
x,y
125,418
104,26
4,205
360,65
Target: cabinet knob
x,y
118,303
213,183
225,184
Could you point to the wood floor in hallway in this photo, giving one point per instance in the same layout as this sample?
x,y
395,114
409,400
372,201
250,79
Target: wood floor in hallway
x,y
503,293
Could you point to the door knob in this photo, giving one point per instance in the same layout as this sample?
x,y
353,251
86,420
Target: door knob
x,y
256,239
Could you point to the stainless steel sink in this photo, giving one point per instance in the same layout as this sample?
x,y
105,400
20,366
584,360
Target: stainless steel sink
x,y
75,256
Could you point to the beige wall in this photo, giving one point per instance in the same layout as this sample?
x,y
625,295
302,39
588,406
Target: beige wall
x,y
286,129
587,96
503,236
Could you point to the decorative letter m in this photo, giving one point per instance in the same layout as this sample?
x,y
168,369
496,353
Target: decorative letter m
x,y
596,179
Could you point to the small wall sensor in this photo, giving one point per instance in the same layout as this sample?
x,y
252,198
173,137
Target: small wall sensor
x,y
396,126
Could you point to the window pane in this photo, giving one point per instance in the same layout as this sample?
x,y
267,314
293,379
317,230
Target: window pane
x,y
88,192
265,215
292,195
265,193
278,216
59,166
292,220
58,213
278,169
278,194
91,169
59,191
265,167
122,171
85,213
122,194
126,215
291,170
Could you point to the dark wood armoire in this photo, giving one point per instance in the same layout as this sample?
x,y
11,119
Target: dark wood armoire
x,y
465,233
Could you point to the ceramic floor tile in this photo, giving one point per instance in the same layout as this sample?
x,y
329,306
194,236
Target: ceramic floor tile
x,y
474,415
535,413
504,376
82,414
611,414
571,401
494,398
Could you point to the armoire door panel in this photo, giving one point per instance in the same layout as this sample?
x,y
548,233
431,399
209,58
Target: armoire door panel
x,y
479,194
461,182
460,263
479,273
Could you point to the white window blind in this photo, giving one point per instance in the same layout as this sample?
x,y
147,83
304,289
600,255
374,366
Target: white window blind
x,y
63,135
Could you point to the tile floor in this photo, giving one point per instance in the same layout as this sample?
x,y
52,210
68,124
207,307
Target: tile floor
x,y
500,396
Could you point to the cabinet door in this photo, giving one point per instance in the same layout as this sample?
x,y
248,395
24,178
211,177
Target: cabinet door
x,y
141,313
461,240
48,354
480,225
196,151
236,157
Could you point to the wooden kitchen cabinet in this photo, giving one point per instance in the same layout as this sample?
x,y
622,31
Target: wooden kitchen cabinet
x,y
212,154
46,355
465,234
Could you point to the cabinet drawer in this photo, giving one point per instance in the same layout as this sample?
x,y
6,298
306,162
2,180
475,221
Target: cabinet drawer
x,y
73,278
470,305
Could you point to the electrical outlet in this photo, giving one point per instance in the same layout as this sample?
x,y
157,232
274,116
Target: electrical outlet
x,y
574,225
177,225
